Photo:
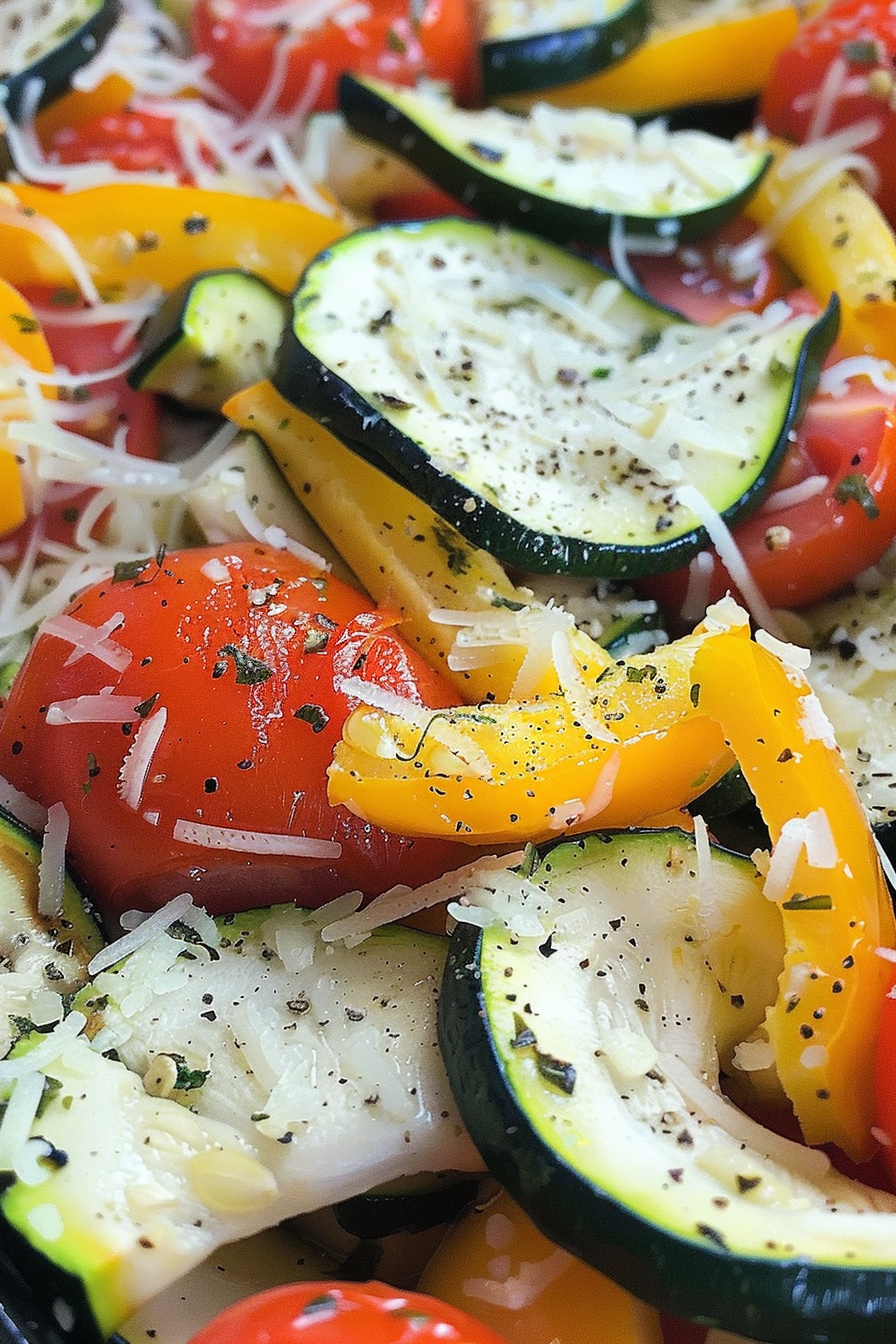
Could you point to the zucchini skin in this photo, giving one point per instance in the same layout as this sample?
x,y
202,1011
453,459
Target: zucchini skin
x,y
370,113
302,378
785,1301
543,60
56,68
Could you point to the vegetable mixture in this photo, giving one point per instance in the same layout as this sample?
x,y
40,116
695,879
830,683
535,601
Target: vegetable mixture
x,y
447,533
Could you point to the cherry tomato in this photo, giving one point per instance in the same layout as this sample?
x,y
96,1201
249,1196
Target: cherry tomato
x,y
132,141
838,71
799,552
701,280
393,39
185,712
343,1313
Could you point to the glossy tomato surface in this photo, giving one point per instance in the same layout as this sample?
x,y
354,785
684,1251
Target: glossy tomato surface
x,y
133,141
271,49
838,72
185,712
344,1313
830,514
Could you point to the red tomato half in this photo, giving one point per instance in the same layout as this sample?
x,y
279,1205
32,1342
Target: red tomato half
x,y
344,1313
393,39
133,142
799,552
837,71
186,715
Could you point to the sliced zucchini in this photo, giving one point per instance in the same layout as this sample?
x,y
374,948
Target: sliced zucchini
x,y
527,46
554,418
212,336
566,174
47,41
584,1045
228,1074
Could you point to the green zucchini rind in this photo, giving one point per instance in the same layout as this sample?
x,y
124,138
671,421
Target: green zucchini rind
x,y
581,39
566,174
64,38
585,1059
212,336
547,413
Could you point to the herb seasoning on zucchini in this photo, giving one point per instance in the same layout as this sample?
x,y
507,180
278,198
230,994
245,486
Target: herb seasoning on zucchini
x,y
40,55
554,418
584,1040
565,174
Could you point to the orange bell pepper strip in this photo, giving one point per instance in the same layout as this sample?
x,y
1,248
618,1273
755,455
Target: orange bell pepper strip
x,y
825,878
22,343
836,240
77,106
404,554
616,746
158,234
703,60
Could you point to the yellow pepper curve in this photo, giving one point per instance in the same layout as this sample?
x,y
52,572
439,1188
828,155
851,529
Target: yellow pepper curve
x,y
158,234
21,342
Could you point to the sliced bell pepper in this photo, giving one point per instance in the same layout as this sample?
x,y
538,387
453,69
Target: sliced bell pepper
x,y
22,341
836,240
621,745
159,234
77,106
406,556
825,878
702,60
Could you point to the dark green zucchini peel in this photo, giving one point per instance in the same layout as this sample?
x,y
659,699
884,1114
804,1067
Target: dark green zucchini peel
x,y
566,174
63,37
564,42
554,418
584,1051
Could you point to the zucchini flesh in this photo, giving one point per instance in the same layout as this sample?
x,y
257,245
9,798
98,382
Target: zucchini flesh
x,y
567,174
526,47
585,1050
48,46
244,1071
212,336
550,415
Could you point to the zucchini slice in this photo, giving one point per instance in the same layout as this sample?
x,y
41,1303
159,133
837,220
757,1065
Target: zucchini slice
x,y
584,1045
244,1071
566,174
48,44
527,46
211,337
554,418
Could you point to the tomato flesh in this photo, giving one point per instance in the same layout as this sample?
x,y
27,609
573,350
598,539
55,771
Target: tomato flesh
x,y
132,141
226,682
344,1313
839,71
799,552
391,39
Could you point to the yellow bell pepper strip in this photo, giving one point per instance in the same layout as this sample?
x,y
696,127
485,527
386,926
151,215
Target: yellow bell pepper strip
x,y
22,341
495,1264
405,555
836,240
616,746
159,234
700,60
825,877
77,106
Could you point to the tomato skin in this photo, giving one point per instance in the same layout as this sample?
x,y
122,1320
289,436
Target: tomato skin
x,y
133,141
343,1313
437,42
862,33
242,746
827,541
699,282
